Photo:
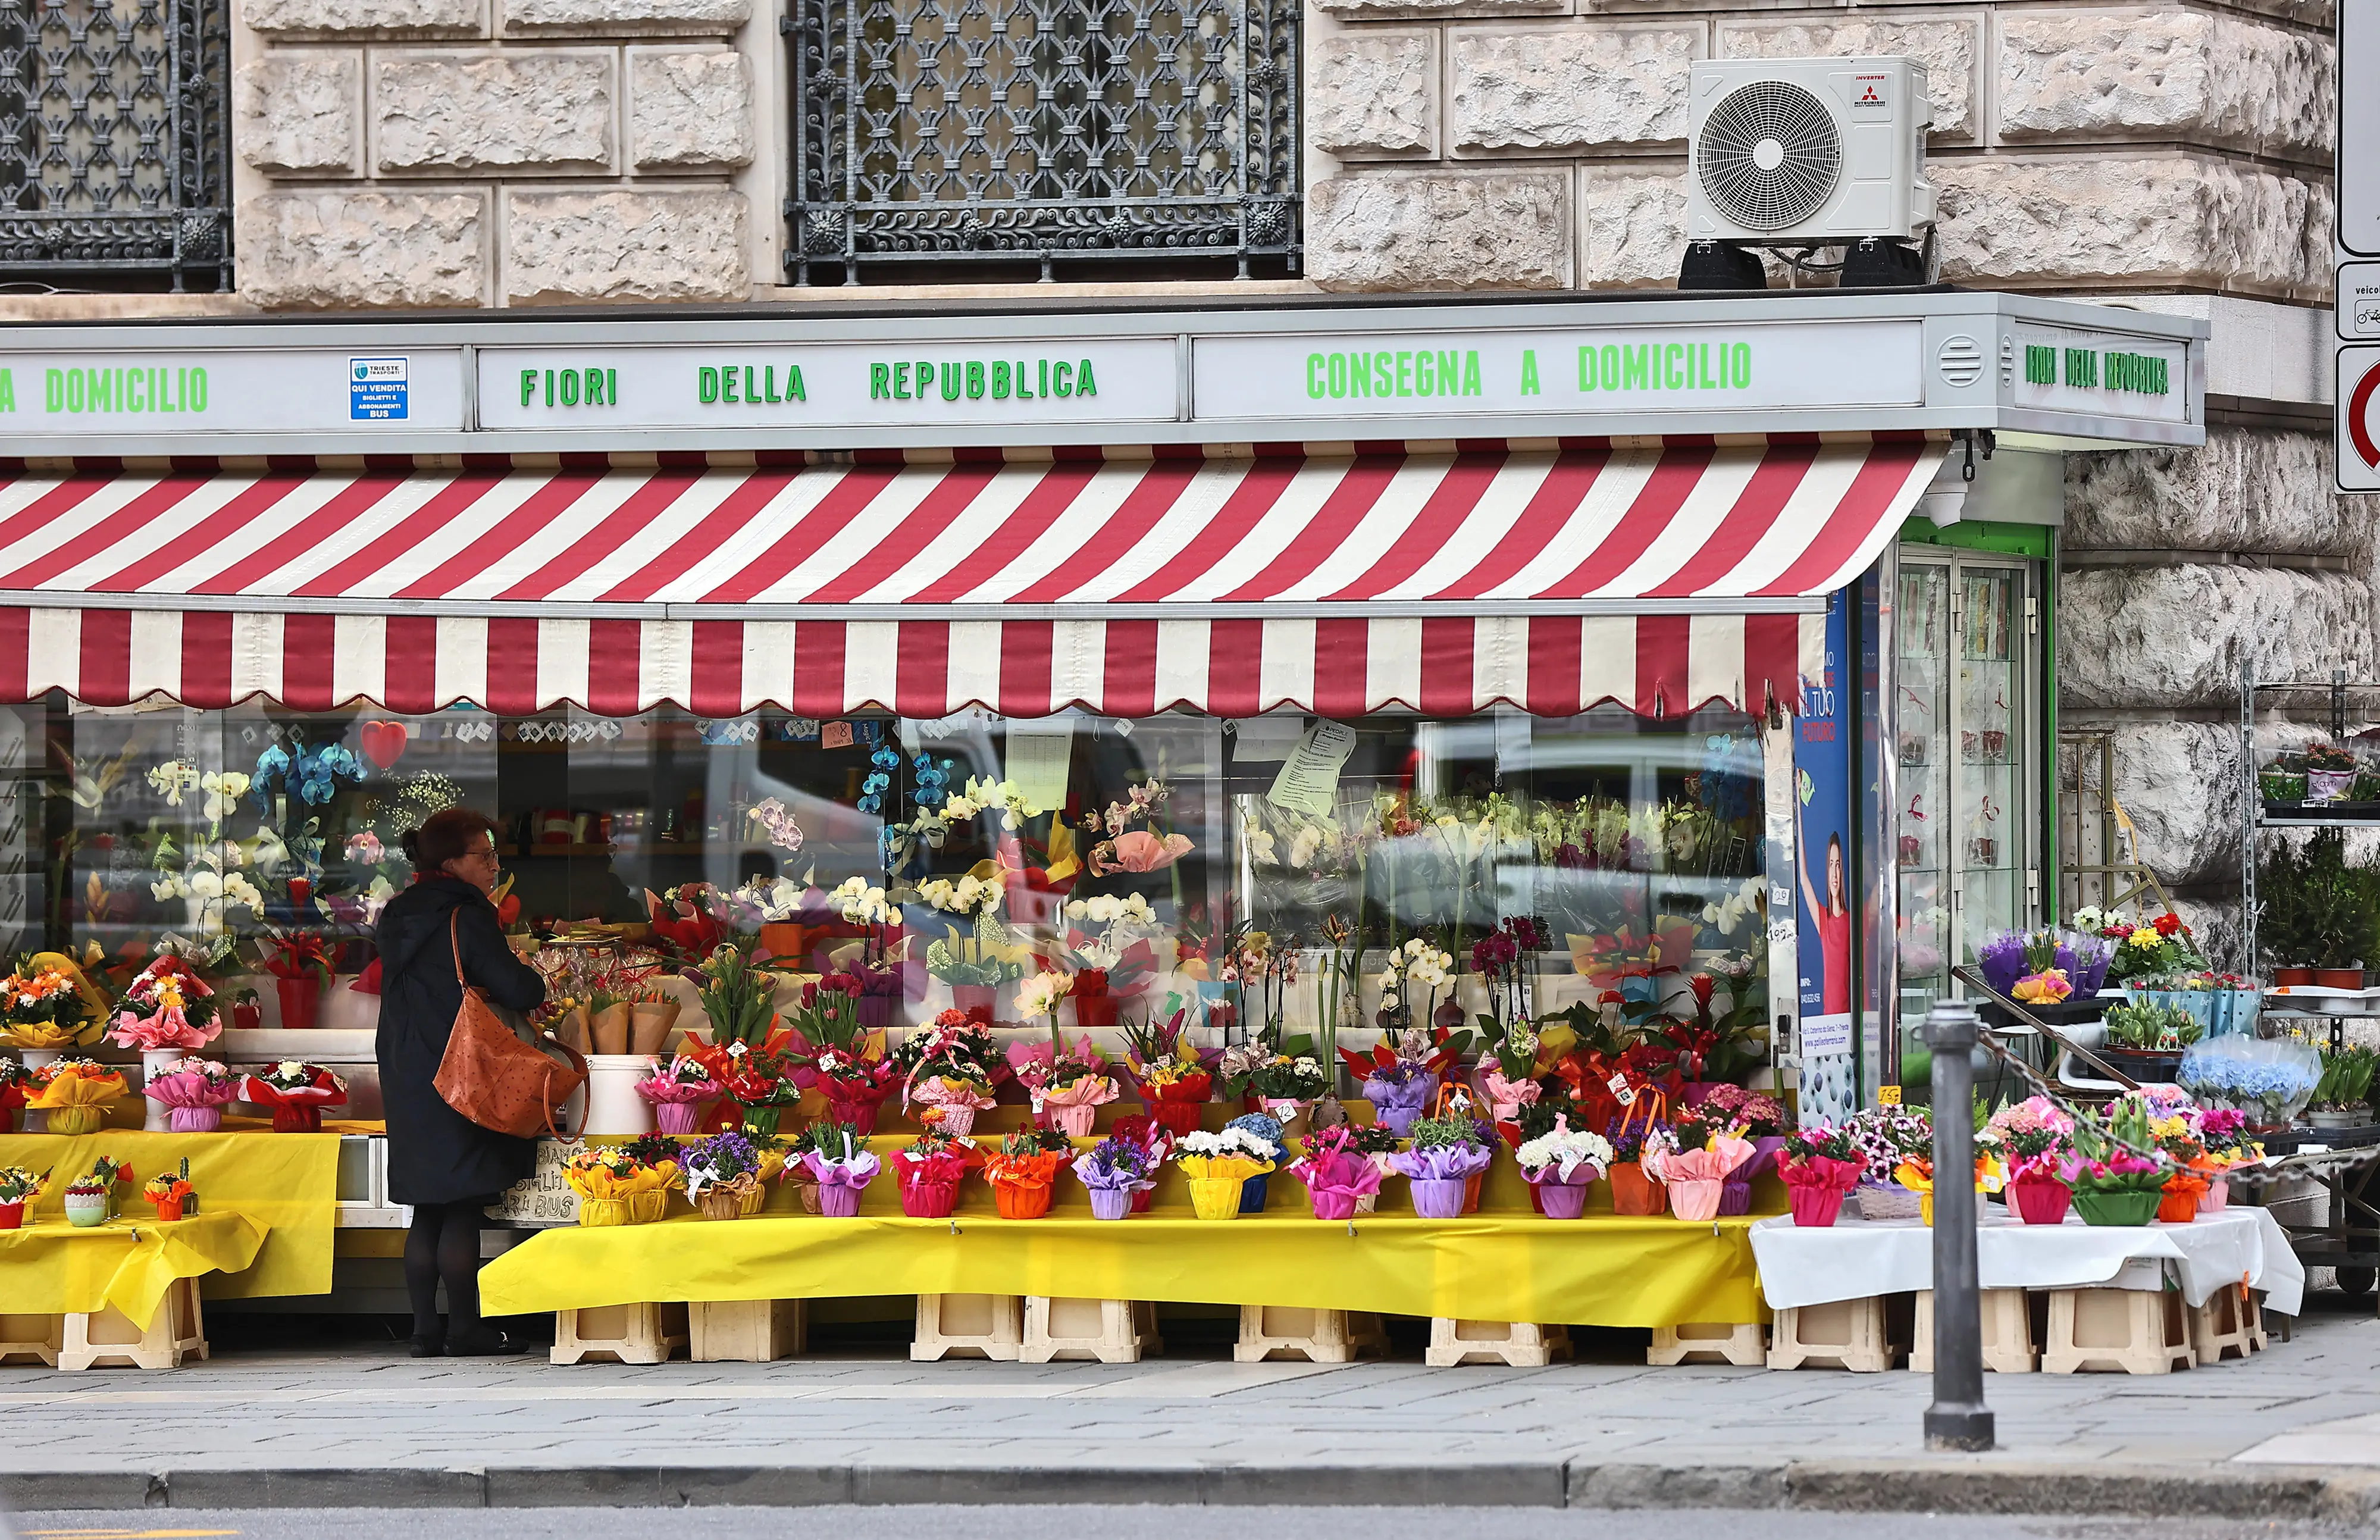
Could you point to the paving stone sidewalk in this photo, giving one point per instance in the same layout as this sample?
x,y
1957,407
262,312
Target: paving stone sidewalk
x,y
373,1426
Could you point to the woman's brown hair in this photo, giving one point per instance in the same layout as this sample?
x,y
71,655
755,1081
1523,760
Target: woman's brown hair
x,y
444,837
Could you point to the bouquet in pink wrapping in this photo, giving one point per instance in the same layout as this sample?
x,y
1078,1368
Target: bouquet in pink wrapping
x,y
1068,1084
1335,1180
679,1091
1820,1165
193,1093
1695,1176
841,1177
167,1005
1506,1097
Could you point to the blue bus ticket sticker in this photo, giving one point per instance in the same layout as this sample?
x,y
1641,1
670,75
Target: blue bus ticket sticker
x,y
377,389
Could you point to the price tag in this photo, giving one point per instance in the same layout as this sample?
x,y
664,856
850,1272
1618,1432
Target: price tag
x,y
1887,1095
1622,1091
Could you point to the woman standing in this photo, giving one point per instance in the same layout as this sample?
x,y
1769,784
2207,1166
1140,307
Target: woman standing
x,y
447,1167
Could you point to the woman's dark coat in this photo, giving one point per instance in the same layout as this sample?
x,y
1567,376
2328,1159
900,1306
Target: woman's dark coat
x,y
436,1155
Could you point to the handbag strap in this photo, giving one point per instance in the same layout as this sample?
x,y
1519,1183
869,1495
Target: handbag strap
x,y
454,940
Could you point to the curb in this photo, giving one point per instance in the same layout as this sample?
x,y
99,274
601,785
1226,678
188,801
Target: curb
x,y
1928,1485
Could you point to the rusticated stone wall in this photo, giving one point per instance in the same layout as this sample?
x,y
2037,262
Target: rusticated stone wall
x,y
456,152
1544,140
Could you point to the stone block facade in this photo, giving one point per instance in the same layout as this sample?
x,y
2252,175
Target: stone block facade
x,y
2124,146
413,153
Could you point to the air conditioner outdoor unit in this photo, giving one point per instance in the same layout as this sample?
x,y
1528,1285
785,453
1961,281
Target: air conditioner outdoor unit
x,y
1807,152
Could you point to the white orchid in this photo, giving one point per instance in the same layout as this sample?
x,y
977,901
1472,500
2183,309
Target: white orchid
x,y
969,895
1260,846
1302,849
224,791
860,903
173,779
778,899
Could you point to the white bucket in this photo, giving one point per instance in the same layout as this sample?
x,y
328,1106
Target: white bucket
x,y
609,1096
152,1062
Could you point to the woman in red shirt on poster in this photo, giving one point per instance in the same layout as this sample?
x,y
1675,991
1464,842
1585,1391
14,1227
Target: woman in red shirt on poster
x,y
1834,920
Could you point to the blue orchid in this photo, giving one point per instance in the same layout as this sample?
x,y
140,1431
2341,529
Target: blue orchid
x,y
316,775
272,768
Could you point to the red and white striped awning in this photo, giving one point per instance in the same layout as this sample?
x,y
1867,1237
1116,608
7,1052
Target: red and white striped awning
x,y
1661,577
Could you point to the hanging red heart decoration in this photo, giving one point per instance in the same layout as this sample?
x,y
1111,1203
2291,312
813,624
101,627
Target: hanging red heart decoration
x,y
383,742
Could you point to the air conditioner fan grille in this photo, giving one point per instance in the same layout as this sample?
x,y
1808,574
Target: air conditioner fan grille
x,y
1769,155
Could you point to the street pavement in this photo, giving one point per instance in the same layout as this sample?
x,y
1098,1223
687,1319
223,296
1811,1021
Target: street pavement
x,y
2293,1432
1145,1522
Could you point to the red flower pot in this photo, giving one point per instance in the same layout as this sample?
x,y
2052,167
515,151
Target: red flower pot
x,y
1814,1207
300,998
12,1216
2040,1199
1178,1118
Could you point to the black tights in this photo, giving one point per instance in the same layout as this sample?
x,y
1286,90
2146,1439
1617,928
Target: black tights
x,y
443,1245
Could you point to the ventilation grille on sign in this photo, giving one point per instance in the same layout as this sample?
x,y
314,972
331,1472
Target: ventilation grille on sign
x,y
1769,155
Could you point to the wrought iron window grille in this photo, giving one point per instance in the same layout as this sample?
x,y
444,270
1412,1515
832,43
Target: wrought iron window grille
x,y
1099,133
114,155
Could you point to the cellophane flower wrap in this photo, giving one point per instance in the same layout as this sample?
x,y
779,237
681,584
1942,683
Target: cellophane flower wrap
x,y
1230,1155
612,1173
1566,1157
1711,1161
167,1005
1058,1075
1335,1179
193,1086
854,1170
1116,1165
48,1004
294,1087
1506,1097
74,1082
930,1172
1398,1091
681,1081
1821,1157
1022,1170
2035,1139
1442,1162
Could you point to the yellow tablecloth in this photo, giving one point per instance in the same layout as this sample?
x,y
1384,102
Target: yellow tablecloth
x,y
1600,1271
51,1267
286,1183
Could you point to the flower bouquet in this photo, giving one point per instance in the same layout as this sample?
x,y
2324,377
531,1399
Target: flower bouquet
x,y
1916,1173
950,1069
51,1006
758,1082
615,1186
296,1092
1696,1170
930,1172
76,1094
855,1085
1448,1152
1336,1181
301,971
2037,1141
839,1162
17,1188
1636,1144
1174,1083
679,1091
1068,1084
1886,1137
1219,1166
1286,1084
721,1171
1261,1133
170,1193
1560,1165
1820,1165
193,1092
1140,1129
658,1153
1107,949
1115,1171
1024,1170
167,1005
2224,1132
1398,1093
1751,1115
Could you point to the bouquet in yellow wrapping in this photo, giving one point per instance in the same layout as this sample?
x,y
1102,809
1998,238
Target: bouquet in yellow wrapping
x,y
615,1188
1218,1164
1916,1173
50,1004
75,1092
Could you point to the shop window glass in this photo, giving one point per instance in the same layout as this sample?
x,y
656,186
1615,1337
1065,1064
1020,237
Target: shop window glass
x,y
1609,834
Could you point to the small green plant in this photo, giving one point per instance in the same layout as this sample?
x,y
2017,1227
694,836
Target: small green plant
x,y
2151,1028
2346,1078
1457,1132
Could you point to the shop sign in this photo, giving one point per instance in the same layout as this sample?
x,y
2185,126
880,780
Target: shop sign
x,y
1704,367
2058,370
94,394
883,385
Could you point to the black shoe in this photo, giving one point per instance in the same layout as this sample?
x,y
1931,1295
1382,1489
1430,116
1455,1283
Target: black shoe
x,y
485,1342
428,1347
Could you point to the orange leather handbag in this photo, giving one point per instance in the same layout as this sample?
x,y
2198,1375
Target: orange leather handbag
x,y
490,1076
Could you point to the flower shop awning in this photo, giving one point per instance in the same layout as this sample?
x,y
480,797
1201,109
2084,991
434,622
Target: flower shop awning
x,y
1662,577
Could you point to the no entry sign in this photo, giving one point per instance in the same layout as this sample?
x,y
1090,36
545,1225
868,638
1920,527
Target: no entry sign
x,y
2358,449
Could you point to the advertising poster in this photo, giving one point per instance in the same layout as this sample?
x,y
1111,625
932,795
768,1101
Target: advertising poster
x,y
1823,887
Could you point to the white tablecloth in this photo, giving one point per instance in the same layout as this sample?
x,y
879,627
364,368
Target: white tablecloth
x,y
1855,1258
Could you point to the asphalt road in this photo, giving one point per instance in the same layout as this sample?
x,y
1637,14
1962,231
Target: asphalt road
x,y
1001,1523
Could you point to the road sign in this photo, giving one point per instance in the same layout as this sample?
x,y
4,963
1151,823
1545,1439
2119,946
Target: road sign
x,y
2358,164
2356,304
2357,439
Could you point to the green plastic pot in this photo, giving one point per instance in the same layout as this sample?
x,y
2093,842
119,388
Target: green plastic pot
x,y
2117,1208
